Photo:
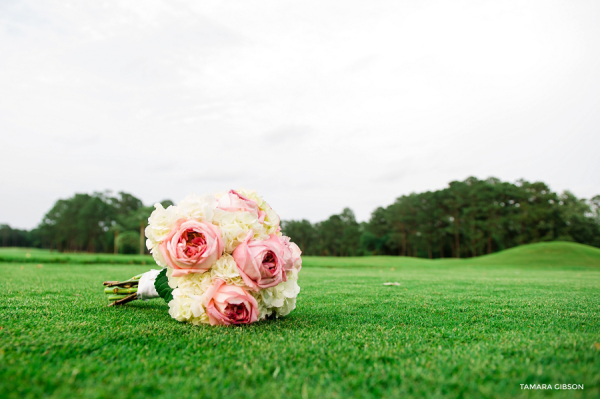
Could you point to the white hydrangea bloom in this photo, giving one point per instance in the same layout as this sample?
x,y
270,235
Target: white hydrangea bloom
x,y
263,310
271,222
288,306
198,207
160,224
173,281
187,307
195,283
235,226
189,296
282,297
274,297
226,269
179,307
153,248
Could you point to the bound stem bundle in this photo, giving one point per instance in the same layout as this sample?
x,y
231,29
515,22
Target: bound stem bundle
x,y
121,292
152,284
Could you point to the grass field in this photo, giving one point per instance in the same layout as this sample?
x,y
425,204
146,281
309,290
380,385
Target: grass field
x,y
453,328
34,255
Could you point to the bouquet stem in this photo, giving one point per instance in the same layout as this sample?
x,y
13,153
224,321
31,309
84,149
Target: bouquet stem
x,y
118,290
154,284
121,292
124,300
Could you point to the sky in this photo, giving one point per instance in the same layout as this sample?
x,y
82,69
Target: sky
x,y
318,105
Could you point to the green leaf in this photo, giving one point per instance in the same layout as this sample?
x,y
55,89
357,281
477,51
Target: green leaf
x,y
162,286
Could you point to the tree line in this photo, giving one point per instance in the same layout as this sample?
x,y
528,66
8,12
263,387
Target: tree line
x,y
97,222
467,218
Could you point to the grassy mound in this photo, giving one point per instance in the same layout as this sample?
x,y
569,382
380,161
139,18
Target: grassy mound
x,y
547,254
556,253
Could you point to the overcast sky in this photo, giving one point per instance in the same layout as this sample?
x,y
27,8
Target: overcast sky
x,y
318,105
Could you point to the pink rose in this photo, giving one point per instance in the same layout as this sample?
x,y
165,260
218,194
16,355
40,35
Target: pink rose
x,y
260,263
291,254
192,247
234,201
229,304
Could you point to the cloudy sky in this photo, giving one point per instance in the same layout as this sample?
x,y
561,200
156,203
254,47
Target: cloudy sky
x,y
319,105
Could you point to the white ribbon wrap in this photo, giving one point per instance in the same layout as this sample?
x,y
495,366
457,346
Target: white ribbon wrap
x,y
146,288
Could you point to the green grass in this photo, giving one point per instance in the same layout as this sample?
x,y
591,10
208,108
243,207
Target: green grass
x,y
35,255
453,328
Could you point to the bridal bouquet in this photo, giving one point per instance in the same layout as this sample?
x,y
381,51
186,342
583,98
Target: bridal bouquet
x,y
225,261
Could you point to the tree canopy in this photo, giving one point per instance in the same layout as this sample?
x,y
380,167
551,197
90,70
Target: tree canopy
x,y
88,222
467,218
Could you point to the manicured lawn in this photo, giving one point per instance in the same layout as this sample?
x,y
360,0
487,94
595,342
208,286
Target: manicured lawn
x,y
469,328
34,255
